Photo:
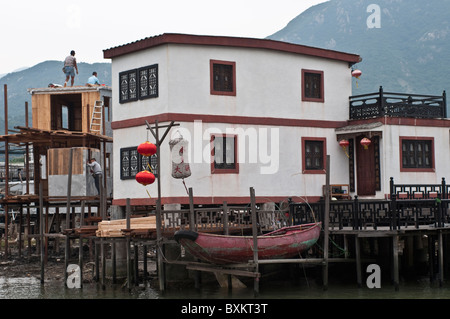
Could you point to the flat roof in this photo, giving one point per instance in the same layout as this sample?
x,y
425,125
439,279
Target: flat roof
x,y
68,89
177,38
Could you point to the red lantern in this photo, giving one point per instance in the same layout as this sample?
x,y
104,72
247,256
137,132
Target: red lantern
x,y
365,142
344,143
356,73
147,149
145,178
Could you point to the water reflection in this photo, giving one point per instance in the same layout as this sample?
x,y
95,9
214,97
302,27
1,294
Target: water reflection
x,y
31,288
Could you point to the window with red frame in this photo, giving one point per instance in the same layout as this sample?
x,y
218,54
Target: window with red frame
x,y
224,154
314,155
223,77
417,153
312,86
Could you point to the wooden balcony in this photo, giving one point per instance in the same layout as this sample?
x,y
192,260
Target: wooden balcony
x,y
382,104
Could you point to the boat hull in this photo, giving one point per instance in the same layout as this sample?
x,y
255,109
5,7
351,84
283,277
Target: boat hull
x,y
286,242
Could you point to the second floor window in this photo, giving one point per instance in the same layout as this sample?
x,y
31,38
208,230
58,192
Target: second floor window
x,y
312,86
223,77
138,84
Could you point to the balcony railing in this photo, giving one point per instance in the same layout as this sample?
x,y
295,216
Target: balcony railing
x,y
397,105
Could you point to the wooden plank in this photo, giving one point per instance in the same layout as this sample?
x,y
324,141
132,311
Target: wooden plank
x,y
229,271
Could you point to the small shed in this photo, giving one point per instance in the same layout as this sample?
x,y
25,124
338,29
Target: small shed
x,y
69,108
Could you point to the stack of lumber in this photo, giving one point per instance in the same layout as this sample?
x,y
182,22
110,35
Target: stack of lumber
x,y
118,227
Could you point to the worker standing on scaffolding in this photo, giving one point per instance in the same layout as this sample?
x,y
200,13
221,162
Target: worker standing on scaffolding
x,y
96,171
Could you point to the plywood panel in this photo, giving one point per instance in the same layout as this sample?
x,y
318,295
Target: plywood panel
x,y
41,111
58,161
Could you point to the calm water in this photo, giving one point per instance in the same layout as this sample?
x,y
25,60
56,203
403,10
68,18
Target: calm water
x,y
31,288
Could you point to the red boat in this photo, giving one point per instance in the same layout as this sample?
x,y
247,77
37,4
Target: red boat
x,y
285,242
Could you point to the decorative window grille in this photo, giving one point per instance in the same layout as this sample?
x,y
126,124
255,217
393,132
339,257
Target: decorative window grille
x,y
128,86
138,84
148,82
417,154
131,163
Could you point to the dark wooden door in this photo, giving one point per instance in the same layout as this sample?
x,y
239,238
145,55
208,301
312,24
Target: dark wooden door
x,y
365,168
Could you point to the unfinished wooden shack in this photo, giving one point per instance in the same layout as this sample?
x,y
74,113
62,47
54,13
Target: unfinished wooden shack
x,y
69,126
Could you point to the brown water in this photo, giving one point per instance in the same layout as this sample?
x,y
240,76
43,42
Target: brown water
x,y
31,288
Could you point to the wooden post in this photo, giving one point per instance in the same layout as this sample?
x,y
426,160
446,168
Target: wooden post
x,y
159,247
255,239
103,256
80,259
20,230
395,261
113,260
144,248
159,244
441,258
192,224
358,261
136,263
41,231
225,218
128,246
69,189
97,268
326,220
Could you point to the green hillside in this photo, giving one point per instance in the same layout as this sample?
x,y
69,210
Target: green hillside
x,y
408,53
39,76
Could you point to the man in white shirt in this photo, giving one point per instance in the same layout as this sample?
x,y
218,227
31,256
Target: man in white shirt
x,y
96,171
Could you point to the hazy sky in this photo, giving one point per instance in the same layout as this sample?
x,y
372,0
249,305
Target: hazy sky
x,y
33,31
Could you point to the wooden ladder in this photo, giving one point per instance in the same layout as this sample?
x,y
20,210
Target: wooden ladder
x,y
96,119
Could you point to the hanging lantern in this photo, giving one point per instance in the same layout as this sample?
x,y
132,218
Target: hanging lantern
x,y
147,149
344,144
365,142
145,178
356,73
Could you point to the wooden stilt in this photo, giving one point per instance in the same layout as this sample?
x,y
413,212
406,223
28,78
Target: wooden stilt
x,y
103,256
113,261
41,228
326,226
144,252
97,263
80,260
395,261
136,264
358,261
441,258
255,240
128,246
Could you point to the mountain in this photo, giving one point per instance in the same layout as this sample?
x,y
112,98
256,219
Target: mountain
x,y
404,44
40,76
